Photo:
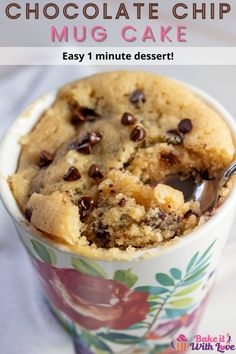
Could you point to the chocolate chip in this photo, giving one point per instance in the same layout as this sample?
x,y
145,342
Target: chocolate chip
x,y
101,231
93,138
77,118
161,215
151,182
156,220
72,174
45,158
85,204
128,119
80,115
86,143
188,214
178,232
89,114
205,175
126,164
185,126
169,158
28,213
137,97
84,148
152,221
94,172
174,137
122,202
137,134
73,145
195,176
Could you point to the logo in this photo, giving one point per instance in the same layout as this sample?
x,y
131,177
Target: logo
x,y
180,343
219,344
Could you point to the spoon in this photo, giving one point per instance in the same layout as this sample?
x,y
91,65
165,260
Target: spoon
x,y
206,192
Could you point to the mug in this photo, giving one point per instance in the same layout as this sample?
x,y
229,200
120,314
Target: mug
x,y
146,302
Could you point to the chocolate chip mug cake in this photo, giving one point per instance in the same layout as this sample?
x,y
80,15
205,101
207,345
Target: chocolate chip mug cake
x,y
91,171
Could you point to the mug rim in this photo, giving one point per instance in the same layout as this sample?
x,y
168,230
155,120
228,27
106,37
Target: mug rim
x,y
31,115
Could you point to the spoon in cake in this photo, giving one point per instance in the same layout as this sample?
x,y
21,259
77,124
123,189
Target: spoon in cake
x,y
206,192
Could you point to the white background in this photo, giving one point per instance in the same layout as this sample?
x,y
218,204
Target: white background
x,y
26,326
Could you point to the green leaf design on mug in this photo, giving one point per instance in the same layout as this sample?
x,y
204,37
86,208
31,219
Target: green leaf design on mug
x,y
94,340
121,338
164,279
154,297
202,263
176,273
137,326
152,290
195,262
193,280
206,252
192,262
182,302
159,348
46,254
88,267
196,274
173,313
168,300
153,303
126,277
188,289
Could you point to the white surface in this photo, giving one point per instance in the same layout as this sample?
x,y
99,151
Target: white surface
x,y
26,326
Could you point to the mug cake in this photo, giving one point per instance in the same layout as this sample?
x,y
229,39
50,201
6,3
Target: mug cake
x,y
91,172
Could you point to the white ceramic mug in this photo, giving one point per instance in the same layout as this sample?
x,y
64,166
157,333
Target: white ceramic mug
x,y
122,306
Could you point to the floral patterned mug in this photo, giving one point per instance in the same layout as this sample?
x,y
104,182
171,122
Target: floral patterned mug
x,y
131,306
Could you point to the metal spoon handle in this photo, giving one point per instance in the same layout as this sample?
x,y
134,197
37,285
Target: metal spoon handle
x,y
229,172
210,190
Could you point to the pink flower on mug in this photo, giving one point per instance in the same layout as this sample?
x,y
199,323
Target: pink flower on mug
x,y
92,301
